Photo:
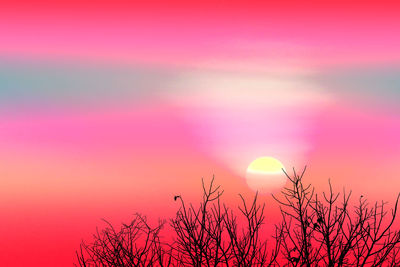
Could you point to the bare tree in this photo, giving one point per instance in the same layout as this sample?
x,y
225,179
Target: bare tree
x,y
199,231
327,231
210,235
316,230
134,244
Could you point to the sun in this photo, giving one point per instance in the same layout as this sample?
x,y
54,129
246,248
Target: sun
x,y
266,165
266,175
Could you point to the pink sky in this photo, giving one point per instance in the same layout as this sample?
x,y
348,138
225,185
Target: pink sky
x,y
111,108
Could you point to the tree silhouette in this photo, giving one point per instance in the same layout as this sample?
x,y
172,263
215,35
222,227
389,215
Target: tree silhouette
x,y
210,235
328,231
315,230
134,244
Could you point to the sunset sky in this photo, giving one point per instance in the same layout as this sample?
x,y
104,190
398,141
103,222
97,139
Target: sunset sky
x,y
108,108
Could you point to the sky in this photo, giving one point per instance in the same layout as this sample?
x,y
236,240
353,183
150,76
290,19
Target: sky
x,y
108,108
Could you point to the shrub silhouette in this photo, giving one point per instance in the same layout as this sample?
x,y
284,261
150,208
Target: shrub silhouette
x,y
315,230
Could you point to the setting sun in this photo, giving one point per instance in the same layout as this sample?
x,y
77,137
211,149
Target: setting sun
x,y
265,175
266,165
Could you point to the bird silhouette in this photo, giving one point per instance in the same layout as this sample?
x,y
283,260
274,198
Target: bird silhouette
x,y
316,226
294,259
176,197
319,220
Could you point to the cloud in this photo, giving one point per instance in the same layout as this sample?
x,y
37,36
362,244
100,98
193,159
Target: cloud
x,y
374,85
63,83
235,116
239,116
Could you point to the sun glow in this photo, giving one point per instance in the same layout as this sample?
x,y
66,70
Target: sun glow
x,y
265,175
265,165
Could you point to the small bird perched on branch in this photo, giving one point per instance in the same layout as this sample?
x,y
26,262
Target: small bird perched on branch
x,y
176,197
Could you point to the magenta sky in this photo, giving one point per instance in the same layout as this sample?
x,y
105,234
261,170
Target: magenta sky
x,y
112,107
